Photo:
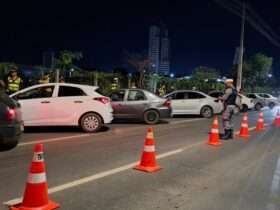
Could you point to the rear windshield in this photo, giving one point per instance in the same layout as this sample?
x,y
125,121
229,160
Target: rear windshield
x,y
5,99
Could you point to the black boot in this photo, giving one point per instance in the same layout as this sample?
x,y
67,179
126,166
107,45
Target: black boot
x,y
228,135
231,136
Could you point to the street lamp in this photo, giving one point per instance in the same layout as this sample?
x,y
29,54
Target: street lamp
x,y
172,75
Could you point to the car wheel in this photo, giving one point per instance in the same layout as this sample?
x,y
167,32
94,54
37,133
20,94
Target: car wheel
x,y
91,123
244,108
271,105
206,112
151,117
258,107
8,145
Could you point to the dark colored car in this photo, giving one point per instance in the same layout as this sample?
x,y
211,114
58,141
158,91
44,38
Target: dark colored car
x,y
140,104
11,125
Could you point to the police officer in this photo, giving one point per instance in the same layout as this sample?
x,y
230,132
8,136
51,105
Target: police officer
x,y
45,79
229,100
14,82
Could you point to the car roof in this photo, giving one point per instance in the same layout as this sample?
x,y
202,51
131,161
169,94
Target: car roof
x,y
85,87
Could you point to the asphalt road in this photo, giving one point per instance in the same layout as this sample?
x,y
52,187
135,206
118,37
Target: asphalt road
x,y
94,171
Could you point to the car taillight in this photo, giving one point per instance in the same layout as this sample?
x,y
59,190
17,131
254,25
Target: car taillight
x,y
167,103
103,100
11,114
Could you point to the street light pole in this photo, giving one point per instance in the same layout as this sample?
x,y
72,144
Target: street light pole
x,y
241,50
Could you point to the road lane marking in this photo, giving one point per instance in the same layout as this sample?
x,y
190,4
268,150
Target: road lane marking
x,y
104,174
274,189
54,139
64,138
100,175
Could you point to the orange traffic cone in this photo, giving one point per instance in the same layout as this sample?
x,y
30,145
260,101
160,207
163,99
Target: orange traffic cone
x,y
277,119
148,159
36,191
244,130
214,136
260,124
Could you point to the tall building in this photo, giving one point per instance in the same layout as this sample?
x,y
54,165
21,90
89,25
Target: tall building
x,y
164,67
154,49
159,50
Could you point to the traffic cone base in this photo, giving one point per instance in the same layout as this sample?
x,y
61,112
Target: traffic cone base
x,y
147,168
36,189
214,136
148,161
217,144
51,205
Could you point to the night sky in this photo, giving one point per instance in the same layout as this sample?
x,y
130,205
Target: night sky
x,y
201,32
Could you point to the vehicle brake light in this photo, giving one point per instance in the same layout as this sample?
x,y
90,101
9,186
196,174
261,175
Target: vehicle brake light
x,y
103,100
11,114
167,103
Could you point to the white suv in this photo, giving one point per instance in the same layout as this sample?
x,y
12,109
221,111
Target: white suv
x,y
61,104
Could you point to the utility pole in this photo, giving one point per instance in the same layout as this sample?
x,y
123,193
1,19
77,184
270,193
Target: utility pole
x,y
241,50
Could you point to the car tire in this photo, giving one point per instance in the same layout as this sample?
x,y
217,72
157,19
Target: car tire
x,y
151,117
8,145
90,122
258,107
271,105
244,108
206,112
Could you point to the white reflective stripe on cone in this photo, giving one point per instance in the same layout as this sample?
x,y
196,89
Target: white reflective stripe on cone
x,y
150,148
36,178
245,118
244,125
38,157
214,130
260,120
216,122
150,135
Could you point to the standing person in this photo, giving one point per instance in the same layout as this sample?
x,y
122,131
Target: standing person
x,y
14,82
45,79
229,100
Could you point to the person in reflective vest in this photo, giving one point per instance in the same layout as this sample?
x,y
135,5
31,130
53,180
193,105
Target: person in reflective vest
x,y
14,82
45,79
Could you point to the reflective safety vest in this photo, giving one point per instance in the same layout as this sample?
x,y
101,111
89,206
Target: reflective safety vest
x,y
44,81
14,84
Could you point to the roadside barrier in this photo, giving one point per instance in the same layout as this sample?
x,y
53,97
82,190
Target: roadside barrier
x,y
260,123
36,190
214,135
148,160
244,129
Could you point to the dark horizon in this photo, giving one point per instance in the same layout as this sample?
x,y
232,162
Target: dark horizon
x,y
201,33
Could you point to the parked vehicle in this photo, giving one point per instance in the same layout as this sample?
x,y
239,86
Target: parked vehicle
x,y
61,104
139,104
258,101
246,103
186,102
11,125
270,100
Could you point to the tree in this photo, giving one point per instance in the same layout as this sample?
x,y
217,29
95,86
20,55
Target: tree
x,y
140,62
203,73
66,59
255,72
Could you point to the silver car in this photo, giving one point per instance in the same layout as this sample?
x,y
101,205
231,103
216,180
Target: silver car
x,y
140,104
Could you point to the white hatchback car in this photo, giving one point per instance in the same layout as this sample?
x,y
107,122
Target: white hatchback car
x,y
61,104
194,103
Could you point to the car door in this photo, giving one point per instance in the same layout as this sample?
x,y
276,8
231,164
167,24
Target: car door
x,y
194,102
136,103
120,109
178,102
70,103
36,105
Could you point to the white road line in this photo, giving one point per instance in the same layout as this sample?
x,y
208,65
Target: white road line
x,y
185,121
64,138
274,189
54,139
105,173
94,177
